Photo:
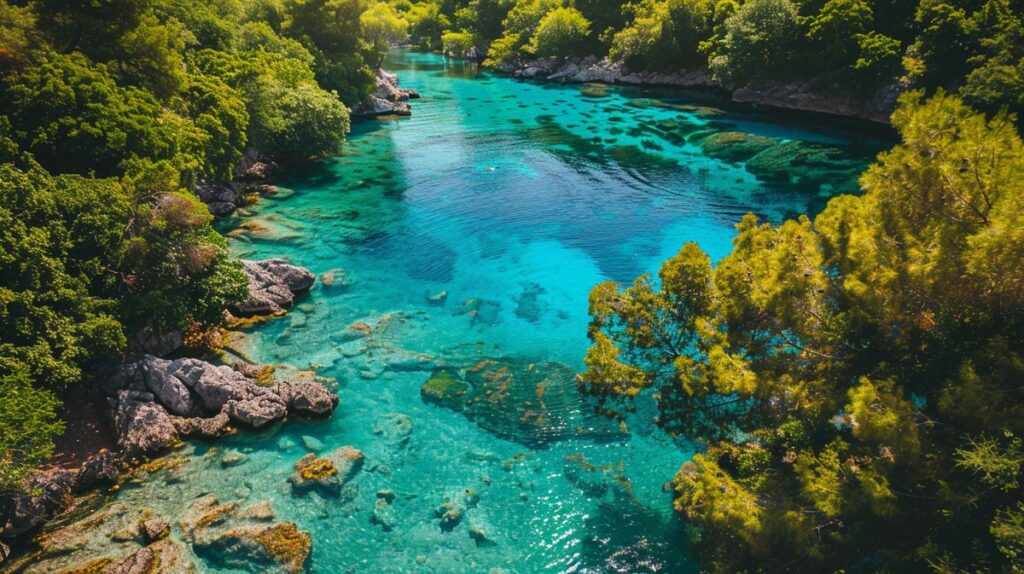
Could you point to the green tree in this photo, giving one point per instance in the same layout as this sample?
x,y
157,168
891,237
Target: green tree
x,y
519,27
28,423
855,379
835,31
382,27
301,123
427,24
561,33
664,34
330,29
73,117
761,40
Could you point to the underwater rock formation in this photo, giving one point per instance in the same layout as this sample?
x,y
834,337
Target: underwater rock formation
x,y
532,403
326,474
734,147
807,166
227,535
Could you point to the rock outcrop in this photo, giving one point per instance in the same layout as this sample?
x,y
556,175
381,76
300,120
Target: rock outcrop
x,y
799,96
155,401
273,285
142,425
237,538
326,474
48,493
221,198
387,99
101,468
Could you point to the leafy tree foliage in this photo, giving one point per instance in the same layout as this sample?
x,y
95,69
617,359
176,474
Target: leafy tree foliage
x,y
302,122
382,26
561,32
759,41
664,34
110,110
855,378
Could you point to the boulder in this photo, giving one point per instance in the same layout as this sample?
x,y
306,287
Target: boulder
x,y
194,387
387,98
308,398
141,425
148,341
154,529
163,557
101,468
273,284
258,170
251,548
220,198
259,409
168,389
199,427
46,495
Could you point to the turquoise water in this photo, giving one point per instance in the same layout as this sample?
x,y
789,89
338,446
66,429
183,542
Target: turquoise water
x,y
514,199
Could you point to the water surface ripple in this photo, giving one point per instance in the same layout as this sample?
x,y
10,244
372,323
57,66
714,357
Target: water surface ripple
x,y
514,199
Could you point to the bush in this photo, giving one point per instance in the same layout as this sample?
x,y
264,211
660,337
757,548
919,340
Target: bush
x,y
761,40
562,32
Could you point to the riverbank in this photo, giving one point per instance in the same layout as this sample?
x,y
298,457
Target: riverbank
x,y
453,252
799,96
141,411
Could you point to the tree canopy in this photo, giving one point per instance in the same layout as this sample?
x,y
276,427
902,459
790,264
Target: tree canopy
x,y
111,111
855,378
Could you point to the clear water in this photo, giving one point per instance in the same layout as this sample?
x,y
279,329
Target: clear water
x,y
517,198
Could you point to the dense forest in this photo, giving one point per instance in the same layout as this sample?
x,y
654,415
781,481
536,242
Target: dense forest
x,y
112,112
854,380
972,47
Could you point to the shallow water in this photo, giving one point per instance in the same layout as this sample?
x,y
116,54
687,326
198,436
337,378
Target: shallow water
x,y
515,199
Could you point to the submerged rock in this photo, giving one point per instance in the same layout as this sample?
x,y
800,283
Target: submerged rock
x,y
244,539
531,403
247,547
735,147
315,473
326,474
394,428
273,284
445,388
384,515
154,529
163,557
807,166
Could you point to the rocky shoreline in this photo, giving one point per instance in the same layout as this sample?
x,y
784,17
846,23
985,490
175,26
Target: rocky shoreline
x,y
798,96
154,403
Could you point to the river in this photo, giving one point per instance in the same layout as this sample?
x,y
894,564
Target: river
x,y
461,244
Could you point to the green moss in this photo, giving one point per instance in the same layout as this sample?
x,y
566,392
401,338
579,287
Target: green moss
x,y
444,387
286,545
807,166
318,469
735,147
